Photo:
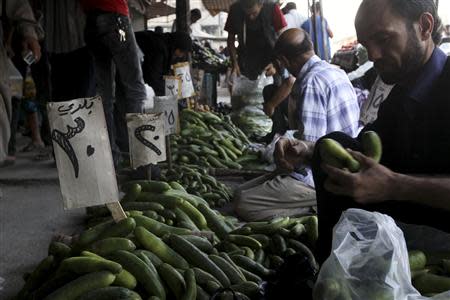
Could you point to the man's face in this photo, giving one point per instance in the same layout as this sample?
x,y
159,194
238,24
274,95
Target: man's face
x,y
253,13
392,42
179,56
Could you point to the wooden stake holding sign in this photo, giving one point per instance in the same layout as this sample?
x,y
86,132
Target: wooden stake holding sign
x,y
168,106
83,155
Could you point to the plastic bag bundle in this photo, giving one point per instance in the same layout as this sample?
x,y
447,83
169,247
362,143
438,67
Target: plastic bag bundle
x,y
247,103
369,260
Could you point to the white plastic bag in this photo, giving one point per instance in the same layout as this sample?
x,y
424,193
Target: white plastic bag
x,y
369,260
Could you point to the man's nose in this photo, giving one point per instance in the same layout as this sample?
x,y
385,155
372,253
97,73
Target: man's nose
x,y
374,53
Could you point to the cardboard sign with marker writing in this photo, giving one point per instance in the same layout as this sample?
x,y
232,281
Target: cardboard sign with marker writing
x,y
184,72
147,139
82,152
173,86
168,105
369,110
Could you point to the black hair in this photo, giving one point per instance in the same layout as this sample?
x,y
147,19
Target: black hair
x,y
289,6
196,15
291,50
248,4
181,40
411,10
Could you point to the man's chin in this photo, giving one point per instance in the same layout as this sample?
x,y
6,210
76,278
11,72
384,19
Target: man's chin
x,y
390,78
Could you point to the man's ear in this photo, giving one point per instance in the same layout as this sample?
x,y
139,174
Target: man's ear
x,y
426,26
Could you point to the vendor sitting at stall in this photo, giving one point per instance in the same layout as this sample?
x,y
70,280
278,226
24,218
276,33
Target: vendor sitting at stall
x,y
257,24
160,52
412,181
323,101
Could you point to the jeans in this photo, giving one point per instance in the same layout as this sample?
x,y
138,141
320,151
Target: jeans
x,y
115,53
330,206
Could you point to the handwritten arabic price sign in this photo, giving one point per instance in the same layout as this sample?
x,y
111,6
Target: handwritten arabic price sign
x,y
379,92
82,153
168,106
147,139
173,86
183,71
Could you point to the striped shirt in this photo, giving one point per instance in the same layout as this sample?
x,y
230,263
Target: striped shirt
x,y
325,101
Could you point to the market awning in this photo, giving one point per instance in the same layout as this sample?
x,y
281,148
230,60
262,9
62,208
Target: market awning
x,y
216,6
158,9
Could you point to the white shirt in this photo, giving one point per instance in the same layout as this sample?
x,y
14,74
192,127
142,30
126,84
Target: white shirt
x,y
294,19
197,32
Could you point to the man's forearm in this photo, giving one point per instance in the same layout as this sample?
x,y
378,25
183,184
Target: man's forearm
x,y
232,49
281,93
432,191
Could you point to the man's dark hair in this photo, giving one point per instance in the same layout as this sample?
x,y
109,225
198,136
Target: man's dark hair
x,y
248,4
411,10
181,40
289,6
196,15
291,49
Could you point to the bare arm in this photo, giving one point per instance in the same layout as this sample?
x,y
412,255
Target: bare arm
x,y
233,56
430,191
20,11
375,183
281,93
330,33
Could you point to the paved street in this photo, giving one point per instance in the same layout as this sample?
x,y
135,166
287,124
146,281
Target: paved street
x,y
31,213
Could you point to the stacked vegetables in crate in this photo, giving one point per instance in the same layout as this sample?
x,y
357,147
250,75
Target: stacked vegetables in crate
x,y
209,140
197,182
141,257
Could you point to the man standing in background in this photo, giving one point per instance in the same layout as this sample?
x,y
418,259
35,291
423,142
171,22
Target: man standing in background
x,y
18,12
323,34
110,37
294,19
257,24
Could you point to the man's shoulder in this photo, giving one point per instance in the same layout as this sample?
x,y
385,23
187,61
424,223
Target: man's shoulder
x,y
324,71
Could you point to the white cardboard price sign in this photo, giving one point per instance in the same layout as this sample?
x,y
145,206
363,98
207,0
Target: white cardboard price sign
x,y
379,92
168,106
83,153
173,86
147,139
184,72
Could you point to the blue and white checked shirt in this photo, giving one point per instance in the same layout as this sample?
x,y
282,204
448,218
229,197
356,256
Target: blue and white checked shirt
x,y
325,102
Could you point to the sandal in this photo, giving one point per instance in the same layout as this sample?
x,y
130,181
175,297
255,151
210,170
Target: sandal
x,y
31,147
43,155
9,161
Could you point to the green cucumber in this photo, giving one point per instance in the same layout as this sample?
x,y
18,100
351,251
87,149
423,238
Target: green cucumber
x,y
109,245
233,275
122,229
143,273
173,279
154,244
111,293
191,286
86,283
198,258
81,265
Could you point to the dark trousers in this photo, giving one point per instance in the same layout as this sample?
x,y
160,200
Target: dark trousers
x,y
330,206
114,53
72,75
280,115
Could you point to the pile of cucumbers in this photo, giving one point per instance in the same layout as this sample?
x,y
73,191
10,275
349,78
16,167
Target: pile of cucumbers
x,y
209,140
199,254
430,272
197,181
